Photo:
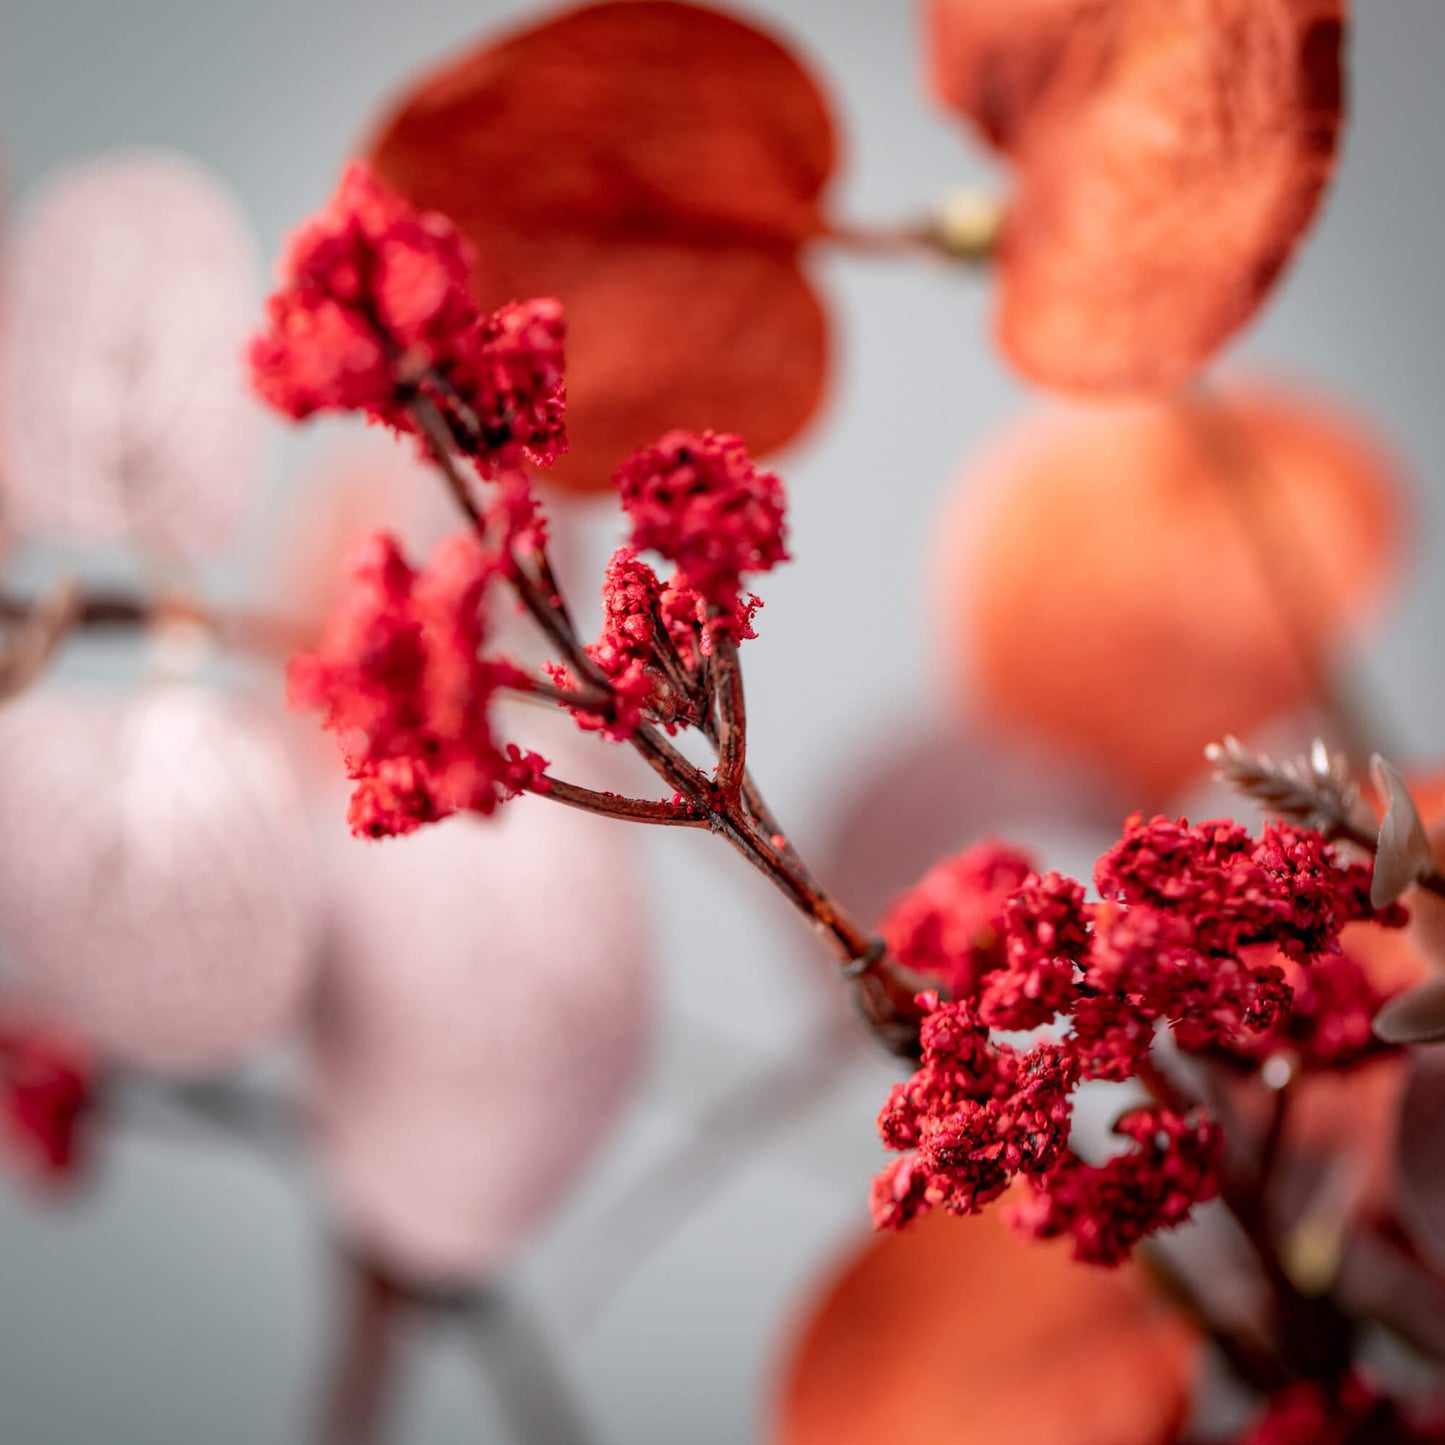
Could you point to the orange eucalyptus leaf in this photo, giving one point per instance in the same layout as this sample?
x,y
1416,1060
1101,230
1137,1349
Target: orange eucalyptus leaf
x,y
955,1333
1118,578
662,190
1167,158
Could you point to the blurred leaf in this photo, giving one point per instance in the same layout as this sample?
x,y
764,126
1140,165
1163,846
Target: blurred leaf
x,y
953,1332
1421,1164
656,166
1166,163
131,282
1416,1017
156,888
485,1012
1105,576
1403,854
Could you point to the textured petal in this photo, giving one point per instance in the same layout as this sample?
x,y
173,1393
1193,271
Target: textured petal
x,y
155,883
952,1332
1167,158
1099,576
487,1007
131,283
662,193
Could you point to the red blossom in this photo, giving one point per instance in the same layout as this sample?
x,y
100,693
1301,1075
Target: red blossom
x,y
375,308
950,925
400,680
1189,937
47,1079
697,499
1108,1208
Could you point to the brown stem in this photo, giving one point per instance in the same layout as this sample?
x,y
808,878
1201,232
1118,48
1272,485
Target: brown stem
x,y
364,1370
434,428
105,610
883,990
615,805
732,726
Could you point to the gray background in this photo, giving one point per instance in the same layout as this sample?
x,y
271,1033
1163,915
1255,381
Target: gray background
x,y
188,1299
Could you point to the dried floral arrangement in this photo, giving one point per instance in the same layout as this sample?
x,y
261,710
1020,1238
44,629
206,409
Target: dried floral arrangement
x,y
610,295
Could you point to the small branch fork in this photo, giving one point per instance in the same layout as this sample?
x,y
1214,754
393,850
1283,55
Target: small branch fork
x,y
709,697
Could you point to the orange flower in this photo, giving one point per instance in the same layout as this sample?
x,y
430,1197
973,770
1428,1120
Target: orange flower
x,y
1166,160
954,1333
657,166
1121,581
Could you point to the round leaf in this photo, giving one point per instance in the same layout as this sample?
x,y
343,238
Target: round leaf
x,y
661,191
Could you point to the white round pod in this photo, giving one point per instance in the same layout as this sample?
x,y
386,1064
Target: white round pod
x,y
488,1006
131,283
157,883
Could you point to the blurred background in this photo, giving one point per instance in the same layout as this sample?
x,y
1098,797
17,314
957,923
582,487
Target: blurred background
x,y
190,1293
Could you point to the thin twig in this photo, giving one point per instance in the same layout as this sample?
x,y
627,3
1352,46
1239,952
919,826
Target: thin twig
x,y
732,718
735,1128
525,1375
614,805
1283,570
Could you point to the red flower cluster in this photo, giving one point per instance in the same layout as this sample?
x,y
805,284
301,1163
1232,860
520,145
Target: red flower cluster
x,y
46,1084
1188,934
401,681
698,500
1108,1208
376,310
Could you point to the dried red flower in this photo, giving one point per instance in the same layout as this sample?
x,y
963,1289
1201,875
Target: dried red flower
x,y
1106,1209
1103,592
950,925
698,500
401,682
375,307
1186,937
1165,167
47,1078
657,166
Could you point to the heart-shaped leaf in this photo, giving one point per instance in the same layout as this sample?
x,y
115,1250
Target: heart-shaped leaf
x,y
656,166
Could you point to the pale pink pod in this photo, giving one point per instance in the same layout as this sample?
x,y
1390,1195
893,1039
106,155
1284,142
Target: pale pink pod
x,y
487,1008
131,283
157,884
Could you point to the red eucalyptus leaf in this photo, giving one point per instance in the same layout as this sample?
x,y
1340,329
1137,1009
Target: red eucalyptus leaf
x,y
1166,158
656,166
954,1333
1103,589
